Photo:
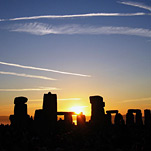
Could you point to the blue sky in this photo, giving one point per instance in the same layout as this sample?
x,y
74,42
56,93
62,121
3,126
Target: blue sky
x,y
94,47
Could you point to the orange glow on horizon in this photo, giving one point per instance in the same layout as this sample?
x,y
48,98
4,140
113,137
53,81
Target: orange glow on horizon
x,y
78,109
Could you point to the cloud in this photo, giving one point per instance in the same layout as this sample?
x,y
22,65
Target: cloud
x,y
44,29
30,89
65,99
68,99
136,100
136,4
149,40
26,75
43,69
75,16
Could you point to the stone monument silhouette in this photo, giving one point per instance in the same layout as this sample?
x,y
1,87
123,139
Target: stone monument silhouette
x,y
46,119
97,111
20,119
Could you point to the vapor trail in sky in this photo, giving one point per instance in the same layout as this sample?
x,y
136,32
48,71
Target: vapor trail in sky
x,y
136,100
136,4
68,99
43,69
76,16
30,89
65,99
26,75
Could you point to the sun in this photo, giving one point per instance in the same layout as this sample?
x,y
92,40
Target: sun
x,y
77,109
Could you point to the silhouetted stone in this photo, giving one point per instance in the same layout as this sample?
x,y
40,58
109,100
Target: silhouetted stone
x,y
139,120
20,100
20,119
147,116
97,110
112,111
130,117
46,118
109,116
108,119
50,107
39,120
67,117
81,120
20,109
118,119
39,116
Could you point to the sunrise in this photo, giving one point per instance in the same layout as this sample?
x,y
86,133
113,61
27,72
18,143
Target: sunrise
x,y
73,73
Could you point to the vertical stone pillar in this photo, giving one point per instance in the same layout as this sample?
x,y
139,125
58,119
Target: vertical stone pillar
x,y
81,120
118,119
109,118
147,115
129,118
139,121
20,119
68,118
50,107
97,110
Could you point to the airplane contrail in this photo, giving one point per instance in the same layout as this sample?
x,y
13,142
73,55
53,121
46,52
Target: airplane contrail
x,y
68,99
29,89
43,69
26,75
136,4
136,100
75,16
65,99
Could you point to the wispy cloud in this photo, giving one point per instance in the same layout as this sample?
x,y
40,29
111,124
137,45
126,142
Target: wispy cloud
x,y
42,69
2,19
64,99
26,75
136,4
75,16
149,40
68,99
44,29
136,100
30,89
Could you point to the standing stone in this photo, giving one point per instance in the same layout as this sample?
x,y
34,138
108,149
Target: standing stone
x,y
20,119
97,110
68,118
46,118
50,107
130,118
109,116
20,108
139,121
118,119
81,120
147,115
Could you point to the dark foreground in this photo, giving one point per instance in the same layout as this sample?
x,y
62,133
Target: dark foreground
x,y
113,138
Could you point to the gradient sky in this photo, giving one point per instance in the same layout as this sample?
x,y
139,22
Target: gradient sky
x,y
75,49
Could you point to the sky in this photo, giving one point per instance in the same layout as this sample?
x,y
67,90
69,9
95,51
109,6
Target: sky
x,y
75,49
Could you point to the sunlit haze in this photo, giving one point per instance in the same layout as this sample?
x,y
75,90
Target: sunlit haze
x,y
78,109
